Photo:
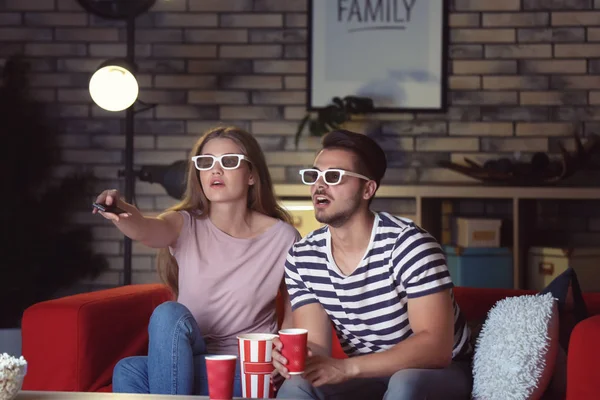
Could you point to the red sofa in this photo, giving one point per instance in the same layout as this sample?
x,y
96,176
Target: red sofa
x,y
73,343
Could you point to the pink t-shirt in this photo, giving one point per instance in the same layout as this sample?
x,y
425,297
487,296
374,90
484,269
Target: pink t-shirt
x,y
230,284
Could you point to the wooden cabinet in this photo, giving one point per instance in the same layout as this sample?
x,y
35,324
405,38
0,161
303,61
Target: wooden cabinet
x,y
429,199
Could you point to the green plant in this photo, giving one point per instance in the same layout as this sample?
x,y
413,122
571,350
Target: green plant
x,y
334,115
42,250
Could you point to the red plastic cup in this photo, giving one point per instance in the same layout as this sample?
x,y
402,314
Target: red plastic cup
x,y
294,349
220,370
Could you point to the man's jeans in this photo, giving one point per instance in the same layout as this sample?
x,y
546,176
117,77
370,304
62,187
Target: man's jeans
x,y
176,358
451,383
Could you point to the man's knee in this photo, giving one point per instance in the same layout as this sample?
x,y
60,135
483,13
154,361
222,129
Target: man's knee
x,y
296,388
408,384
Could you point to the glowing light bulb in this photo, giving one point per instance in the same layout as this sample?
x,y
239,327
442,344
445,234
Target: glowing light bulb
x,y
113,88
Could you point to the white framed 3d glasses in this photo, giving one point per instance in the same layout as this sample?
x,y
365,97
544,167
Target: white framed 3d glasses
x,y
228,161
331,177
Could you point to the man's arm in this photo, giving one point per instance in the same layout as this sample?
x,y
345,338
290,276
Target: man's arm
x,y
432,321
419,270
313,318
307,313
287,307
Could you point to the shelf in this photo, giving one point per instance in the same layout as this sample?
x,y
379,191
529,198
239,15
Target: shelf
x,y
466,191
428,200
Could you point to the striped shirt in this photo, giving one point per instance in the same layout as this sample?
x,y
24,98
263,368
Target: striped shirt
x,y
369,307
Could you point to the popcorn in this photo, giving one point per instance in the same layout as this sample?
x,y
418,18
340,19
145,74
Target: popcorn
x,y
12,372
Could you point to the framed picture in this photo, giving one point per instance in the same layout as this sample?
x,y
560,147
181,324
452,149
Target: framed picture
x,y
393,51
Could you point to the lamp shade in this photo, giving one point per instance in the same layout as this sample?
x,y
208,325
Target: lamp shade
x,y
113,86
172,177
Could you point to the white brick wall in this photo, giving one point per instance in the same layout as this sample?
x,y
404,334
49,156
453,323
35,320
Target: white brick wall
x,y
523,74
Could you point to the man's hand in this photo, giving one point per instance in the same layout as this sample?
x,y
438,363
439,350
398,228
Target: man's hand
x,y
313,318
322,370
279,362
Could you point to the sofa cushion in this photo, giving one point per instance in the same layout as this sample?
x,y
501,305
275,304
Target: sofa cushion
x,y
516,349
572,309
571,305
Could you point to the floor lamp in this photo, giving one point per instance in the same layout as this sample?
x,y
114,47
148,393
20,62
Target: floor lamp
x,y
114,87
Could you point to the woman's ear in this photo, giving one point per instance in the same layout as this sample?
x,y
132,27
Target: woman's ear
x,y
251,180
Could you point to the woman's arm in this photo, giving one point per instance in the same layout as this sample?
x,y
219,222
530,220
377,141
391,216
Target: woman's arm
x,y
157,232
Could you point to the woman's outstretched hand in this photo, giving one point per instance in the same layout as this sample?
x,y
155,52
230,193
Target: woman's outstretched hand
x,y
111,198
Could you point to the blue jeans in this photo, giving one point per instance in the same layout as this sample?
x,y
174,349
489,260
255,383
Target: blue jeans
x,y
451,383
176,358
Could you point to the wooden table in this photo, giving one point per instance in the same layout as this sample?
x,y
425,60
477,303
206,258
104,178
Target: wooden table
x,y
31,395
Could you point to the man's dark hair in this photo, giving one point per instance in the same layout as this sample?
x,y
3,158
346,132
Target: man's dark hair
x,y
371,157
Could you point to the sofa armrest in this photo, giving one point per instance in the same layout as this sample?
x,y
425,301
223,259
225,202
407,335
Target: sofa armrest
x,y
73,343
583,360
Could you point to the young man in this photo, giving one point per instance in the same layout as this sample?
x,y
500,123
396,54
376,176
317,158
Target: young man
x,y
383,283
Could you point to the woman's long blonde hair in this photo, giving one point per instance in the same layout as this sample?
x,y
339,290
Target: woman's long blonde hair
x,y
261,197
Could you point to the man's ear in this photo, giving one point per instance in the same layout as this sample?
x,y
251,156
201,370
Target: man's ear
x,y
369,190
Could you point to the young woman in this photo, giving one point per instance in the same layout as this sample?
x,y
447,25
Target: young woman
x,y
223,251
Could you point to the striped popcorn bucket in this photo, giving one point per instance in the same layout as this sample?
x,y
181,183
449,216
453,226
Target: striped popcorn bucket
x,y
255,364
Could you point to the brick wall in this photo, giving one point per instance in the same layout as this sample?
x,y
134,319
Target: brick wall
x,y
524,75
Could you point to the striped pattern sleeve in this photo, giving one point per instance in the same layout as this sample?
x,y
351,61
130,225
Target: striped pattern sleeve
x,y
300,294
419,264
